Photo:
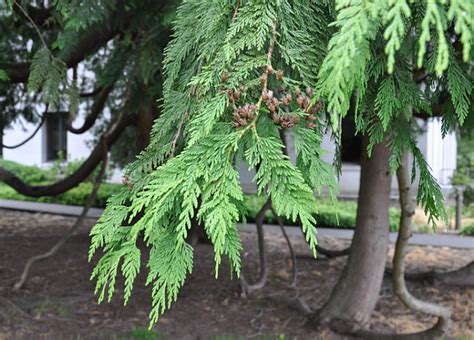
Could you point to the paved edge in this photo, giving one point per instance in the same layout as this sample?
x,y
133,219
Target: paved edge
x,y
49,208
442,240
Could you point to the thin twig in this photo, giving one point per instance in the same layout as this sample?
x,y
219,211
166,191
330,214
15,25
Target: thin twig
x,y
407,211
247,288
71,230
294,275
234,16
25,13
176,137
43,119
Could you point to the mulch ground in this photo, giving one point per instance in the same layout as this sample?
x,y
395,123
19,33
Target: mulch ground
x,y
58,302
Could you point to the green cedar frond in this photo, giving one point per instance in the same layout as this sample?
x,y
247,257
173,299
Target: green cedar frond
x,y
291,196
460,87
462,13
436,16
3,75
349,51
429,192
48,74
395,30
317,173
187,173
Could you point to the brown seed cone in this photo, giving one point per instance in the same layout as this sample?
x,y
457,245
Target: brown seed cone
x,y
225,76
300,101
230,94
242,121
276,118
280,74
319,105
263,78
305,103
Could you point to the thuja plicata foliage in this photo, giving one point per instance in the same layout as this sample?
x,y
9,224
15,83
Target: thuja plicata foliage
x,y
237,73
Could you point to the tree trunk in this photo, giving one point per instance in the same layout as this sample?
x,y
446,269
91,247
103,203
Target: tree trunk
x,y
1,141
147,113
354,297
407,211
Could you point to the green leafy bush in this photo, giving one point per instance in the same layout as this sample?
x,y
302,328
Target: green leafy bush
x,y
328,215
341,215
76,196
468,231
29,174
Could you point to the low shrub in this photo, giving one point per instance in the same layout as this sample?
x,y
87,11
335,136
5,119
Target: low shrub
x,y
342,214
28,174
468,231
76,196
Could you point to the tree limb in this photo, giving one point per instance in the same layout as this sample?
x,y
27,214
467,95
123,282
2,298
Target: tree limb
x,y
38,15
91,39
248,288
108,138
399,286
43,119
96,109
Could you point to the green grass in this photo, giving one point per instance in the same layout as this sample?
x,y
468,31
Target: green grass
x,y
141,334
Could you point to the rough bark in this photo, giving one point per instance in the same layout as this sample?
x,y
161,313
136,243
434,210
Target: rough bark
x,y
108,138
353,299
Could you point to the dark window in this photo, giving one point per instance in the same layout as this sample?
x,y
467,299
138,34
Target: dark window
x,y
56,137
351,147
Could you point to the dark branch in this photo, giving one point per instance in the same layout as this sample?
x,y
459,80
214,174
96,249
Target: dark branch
x,y
96,109
29,138
38,15
93,93
91,39
108,138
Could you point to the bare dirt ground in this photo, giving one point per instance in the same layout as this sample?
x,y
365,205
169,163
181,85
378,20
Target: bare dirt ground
x,y
57,302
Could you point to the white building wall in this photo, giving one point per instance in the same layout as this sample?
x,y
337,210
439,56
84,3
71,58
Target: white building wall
x,y
32,153
29,154
440,154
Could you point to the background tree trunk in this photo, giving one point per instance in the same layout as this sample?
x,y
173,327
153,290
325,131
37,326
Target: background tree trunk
x,y
408,206
354,297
